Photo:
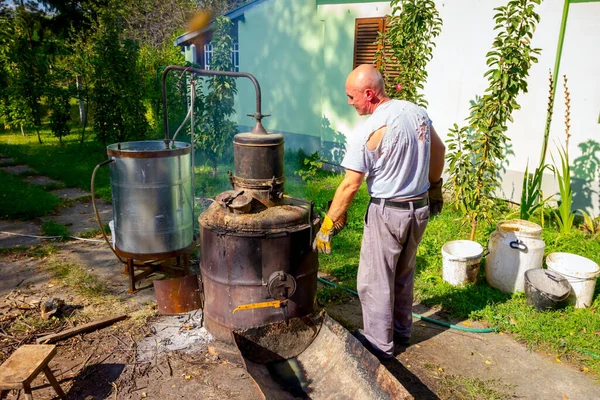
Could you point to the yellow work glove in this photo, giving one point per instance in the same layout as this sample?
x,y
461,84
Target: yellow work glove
x,y
322,242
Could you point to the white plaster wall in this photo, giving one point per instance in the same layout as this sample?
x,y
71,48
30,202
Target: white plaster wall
x,y
458,65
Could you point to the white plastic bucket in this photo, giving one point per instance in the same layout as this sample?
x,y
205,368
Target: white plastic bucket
x,y
461,260
515,247
581,274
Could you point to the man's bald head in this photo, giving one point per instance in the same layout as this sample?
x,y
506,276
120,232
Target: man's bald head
x,y
365,89
366,76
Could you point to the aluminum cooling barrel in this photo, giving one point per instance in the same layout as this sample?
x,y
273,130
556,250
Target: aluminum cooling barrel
x,y
152,197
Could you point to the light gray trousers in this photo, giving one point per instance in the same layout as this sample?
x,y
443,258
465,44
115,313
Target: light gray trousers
x,y
386,271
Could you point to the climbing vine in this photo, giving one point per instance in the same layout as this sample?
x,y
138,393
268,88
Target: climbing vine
x,y
477,150
406,46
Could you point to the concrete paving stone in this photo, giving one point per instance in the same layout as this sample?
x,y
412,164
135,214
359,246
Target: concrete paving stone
x,y
69,193
80,217
18,227
17,169
42,180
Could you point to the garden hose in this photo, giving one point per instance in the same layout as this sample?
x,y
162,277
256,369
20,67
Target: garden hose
x,y
448,325
103,163
431,320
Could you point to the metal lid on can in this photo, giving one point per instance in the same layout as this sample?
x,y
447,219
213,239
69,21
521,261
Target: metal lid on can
x,y
148,149
553,284
519,227
254,139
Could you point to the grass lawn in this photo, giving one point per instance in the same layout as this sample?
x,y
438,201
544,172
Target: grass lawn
x,y
23,200
572,334
70,163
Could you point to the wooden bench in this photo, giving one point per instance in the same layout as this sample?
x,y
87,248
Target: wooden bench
x,y
21,368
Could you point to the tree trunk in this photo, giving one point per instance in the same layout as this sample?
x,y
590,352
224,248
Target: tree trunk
x,y
473,229
22,131
84,126
82,113
37,129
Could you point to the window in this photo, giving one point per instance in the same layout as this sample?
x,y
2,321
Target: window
x,y
366,43
235,56
208,54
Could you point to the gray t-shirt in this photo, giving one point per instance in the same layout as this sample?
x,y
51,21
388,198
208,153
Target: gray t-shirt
x,y
399,166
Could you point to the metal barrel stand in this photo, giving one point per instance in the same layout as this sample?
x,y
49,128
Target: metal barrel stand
x,y
154,263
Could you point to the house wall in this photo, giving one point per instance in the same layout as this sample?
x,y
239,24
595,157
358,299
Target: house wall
x,y
456,77
280,43
301,52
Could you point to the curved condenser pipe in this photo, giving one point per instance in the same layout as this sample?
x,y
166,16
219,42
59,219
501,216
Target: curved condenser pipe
x,y
258,115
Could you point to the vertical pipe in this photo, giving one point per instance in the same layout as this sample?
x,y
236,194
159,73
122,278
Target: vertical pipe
x,y
192,99
561,40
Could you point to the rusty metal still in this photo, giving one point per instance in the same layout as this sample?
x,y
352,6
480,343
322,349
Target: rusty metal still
x,y
253,258
259,280
257,263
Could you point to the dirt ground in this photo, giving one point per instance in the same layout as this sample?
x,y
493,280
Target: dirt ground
x,y
152,356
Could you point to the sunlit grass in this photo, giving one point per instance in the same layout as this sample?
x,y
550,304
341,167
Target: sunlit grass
x,y
21,200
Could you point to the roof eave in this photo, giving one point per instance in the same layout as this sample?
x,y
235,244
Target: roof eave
x,y
232,15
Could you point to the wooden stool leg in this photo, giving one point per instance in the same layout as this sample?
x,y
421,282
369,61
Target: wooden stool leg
x,y
27,390
131,275
2,394
53,382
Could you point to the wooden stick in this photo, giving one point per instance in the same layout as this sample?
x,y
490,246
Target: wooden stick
x,y
79,329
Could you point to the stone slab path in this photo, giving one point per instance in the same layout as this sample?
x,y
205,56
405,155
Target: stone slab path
x,y
17,169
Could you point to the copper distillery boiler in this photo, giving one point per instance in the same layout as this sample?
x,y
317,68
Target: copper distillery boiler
x,y
257,264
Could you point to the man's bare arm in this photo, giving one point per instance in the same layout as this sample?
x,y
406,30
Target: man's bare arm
x,y
345,193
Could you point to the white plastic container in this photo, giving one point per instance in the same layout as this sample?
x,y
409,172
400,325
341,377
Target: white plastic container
x,y
461,260
581,274
515,247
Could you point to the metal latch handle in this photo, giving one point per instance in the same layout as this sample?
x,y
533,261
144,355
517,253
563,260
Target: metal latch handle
x,y
518,245
265,304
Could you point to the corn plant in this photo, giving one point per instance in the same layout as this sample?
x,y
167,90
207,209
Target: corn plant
x,y
475,160
590,224
531,194
564,216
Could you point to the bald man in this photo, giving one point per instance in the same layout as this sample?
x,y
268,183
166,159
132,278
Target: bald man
x,y
402,157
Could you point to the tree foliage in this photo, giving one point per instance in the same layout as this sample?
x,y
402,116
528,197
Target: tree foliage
x,y
406,46
117,83
59,96
215,130
25,65
477,150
